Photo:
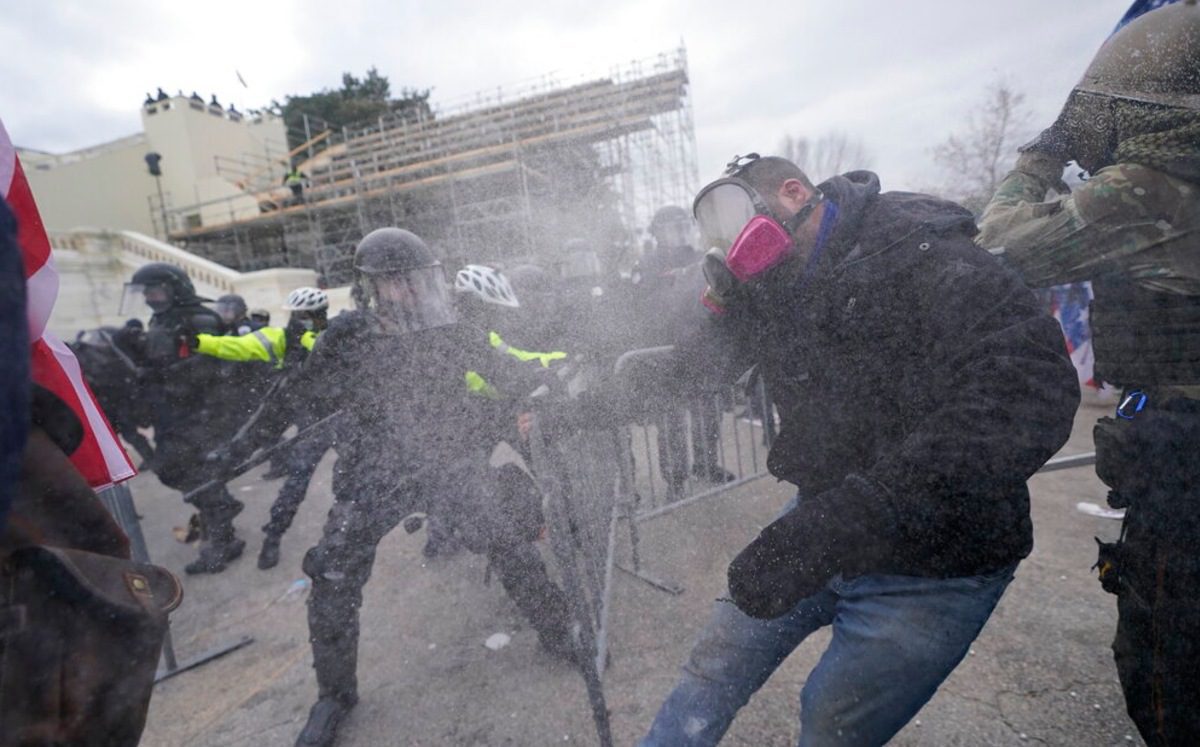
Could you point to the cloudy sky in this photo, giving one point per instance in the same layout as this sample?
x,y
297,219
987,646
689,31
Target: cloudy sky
x,y
898,75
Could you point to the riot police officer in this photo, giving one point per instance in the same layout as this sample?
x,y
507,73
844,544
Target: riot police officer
x,y
1133,122
423,405
234,315
178,385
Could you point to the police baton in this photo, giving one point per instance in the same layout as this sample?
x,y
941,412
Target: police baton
x,y
261,456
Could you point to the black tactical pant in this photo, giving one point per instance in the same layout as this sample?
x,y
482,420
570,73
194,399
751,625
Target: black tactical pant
x,y
340,566
126,427
300,463
1157,645
1149,462
705,416
180,464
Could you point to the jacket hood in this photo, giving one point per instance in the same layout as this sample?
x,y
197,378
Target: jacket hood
x,y
896,214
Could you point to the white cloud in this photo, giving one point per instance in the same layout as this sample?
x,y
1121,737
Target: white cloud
x,y
898,75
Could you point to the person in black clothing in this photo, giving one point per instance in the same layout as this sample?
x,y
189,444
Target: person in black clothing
x,y
919,385
673,231
423,404
106,356
309,309
178,387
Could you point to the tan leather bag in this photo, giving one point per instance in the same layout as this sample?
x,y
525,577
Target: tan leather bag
x,y
81,625
80,637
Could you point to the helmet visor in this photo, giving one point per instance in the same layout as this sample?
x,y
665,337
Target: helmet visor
x,y
411,301
673,233
137,296
230,311
722,210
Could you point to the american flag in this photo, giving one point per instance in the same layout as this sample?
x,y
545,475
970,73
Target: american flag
x,y
1069,304
100,458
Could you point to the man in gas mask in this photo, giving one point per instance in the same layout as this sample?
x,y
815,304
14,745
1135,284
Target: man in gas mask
x,y
188,420
919,385
424,403
1133,229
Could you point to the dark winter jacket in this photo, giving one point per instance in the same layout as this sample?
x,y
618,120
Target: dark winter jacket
x,y
919,383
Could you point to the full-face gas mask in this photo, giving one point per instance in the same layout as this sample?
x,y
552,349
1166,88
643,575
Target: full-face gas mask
x,y
743,236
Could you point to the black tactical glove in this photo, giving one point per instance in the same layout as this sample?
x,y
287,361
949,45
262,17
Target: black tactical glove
x,y
849,529
1054,141
294,330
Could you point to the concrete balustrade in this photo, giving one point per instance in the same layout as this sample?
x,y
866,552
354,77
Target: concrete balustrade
x,y
94,265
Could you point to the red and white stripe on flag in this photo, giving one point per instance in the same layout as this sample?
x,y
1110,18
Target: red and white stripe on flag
x,y
100,458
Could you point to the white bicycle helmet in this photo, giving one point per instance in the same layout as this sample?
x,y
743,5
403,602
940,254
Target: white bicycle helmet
x,y
487,284
306,299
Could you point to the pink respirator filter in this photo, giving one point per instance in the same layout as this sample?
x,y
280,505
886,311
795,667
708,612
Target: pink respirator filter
x,y
761,245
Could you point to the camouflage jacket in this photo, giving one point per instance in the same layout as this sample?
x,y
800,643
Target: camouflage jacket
x,y
1127,218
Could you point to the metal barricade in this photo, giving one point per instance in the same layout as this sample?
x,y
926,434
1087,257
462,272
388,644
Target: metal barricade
x,y
579,472
690,444
606,462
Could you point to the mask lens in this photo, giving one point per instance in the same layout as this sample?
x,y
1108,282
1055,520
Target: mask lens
x,y
722,212
761,245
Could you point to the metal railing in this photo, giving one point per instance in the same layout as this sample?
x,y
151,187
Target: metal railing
x,y
592,456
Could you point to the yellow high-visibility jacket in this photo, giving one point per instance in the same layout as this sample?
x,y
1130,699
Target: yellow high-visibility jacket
x,y
268,345
525,355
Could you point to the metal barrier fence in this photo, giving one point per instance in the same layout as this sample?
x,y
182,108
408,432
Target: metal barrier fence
x,y
604,465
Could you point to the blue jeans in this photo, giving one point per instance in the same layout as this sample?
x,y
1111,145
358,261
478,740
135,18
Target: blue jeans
x,y
895,639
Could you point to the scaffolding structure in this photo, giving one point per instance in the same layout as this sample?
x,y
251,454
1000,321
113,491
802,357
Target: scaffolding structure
x,y
503,176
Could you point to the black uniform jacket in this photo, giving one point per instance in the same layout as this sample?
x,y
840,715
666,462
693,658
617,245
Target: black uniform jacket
x,y
909,360
409,411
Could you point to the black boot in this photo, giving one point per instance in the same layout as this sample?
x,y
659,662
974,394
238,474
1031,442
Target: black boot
x,y
713,473
324,718
215,556
268,556
222,545
543,604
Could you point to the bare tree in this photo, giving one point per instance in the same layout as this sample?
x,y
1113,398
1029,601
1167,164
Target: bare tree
x,y
829,155
975,159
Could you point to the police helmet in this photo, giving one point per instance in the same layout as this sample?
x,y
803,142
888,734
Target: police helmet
x,y
671,227
231,307
160,286
398,279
